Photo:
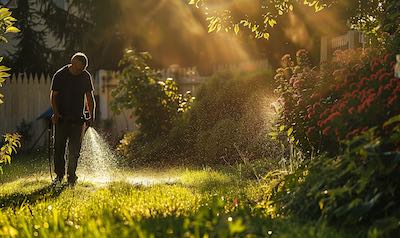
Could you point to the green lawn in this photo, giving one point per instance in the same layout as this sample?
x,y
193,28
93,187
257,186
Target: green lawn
x,y
171,203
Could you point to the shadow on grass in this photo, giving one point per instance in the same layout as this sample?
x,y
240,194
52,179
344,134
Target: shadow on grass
x,y
17,199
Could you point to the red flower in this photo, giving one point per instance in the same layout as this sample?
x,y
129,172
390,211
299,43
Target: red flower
x,y
351,110
342,105
374,76
380,90
322,115
384,76
387,86
326,130
235,202
355,93
316,106
333,116
391,100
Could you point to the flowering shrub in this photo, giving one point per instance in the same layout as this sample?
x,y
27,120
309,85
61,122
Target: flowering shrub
x,y
322,106
359,187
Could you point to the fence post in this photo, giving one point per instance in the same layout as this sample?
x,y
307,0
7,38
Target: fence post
x,y
351,39
324,49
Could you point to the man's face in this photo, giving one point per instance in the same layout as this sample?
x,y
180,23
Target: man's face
x,y
77,66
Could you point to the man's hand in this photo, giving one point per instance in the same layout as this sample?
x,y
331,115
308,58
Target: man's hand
x,y
90,123
55,118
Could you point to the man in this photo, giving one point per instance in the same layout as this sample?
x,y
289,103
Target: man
x,y
71,85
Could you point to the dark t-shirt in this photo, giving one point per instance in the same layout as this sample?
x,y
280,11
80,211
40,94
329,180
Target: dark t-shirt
x,y
72,88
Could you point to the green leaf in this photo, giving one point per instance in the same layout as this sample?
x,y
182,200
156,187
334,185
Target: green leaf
x,y
4,12
244,22
3,39
236,226
12,29
236,29
272,22
282,127
273,134
4,68
392,120
290,131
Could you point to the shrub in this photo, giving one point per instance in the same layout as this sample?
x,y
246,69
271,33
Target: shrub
x,y
228,122
341,99
359,187
156,103
232,117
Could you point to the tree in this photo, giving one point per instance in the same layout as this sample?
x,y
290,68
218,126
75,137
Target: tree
x,y
12,141
259,17
376,15
86,25
32,54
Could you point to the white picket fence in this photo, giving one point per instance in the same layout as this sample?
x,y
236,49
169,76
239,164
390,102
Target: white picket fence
x,y
350,40
26,97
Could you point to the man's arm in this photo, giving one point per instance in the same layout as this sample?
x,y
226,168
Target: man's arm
x,y
53,100
91,104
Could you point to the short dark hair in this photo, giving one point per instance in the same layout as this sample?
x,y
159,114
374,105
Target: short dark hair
x,y
82,58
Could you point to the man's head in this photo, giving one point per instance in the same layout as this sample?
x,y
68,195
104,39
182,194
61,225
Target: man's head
x,y
79,62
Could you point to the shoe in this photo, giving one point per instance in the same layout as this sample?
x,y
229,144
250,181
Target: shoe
x,y
72,181
56,181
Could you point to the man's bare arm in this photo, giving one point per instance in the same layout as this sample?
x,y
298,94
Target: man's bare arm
x,y
91,103
53,101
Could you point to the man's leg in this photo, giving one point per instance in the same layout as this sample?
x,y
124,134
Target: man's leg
x,y
74,147
59,149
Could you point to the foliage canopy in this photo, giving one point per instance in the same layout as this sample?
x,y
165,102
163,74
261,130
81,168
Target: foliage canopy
x,y
222,15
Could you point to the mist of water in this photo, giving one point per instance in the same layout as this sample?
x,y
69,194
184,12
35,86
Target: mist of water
x,y
97,161
98,164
